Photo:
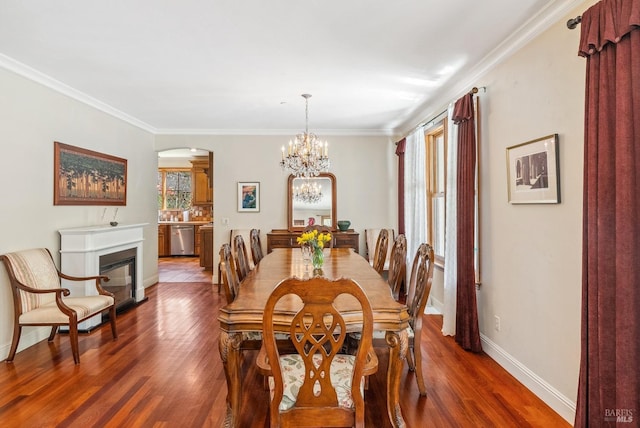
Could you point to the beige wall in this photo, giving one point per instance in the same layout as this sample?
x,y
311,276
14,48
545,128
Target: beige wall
x,y
532,253
33,117
365,170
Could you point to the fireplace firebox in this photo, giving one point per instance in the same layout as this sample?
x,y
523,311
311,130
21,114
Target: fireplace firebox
x,y
120,267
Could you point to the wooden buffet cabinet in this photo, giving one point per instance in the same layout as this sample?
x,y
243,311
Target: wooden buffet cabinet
x,y
280,238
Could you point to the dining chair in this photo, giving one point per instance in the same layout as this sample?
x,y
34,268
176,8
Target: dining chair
x,y
231,284
417,297
371,239
40,300
229,273
318,385
397,265
256,246
241,259
246,236
380,254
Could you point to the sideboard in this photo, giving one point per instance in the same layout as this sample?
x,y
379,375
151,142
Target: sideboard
x,y
282,238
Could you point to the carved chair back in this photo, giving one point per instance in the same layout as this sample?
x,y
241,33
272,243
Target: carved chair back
x,y
241,259
256,246
318,331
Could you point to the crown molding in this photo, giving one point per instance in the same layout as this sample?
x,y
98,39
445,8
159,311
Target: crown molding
x,y
321,133
27,72
464,81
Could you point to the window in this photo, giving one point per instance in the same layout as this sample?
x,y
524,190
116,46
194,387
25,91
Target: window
x,y
436,168
174,189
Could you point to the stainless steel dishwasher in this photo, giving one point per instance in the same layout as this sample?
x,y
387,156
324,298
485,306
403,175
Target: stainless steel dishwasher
x,y
182,239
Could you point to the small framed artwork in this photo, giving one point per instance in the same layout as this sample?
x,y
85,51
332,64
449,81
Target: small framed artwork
x,y
249,197
85,177
533,171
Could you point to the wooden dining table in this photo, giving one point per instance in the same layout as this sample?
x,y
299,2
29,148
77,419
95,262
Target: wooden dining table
x,y
245,314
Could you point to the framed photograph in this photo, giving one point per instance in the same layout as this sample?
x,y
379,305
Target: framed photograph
x,y
533,171
249,197
85,177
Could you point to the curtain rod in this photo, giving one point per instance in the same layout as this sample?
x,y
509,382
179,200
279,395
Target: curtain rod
x,y
573,23
474,90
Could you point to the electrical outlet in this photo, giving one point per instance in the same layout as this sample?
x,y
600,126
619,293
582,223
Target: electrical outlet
x,y
225,221
497,322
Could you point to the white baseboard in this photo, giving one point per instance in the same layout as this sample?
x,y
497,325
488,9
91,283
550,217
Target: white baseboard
x,y
148,282
29,337
434,306
547,393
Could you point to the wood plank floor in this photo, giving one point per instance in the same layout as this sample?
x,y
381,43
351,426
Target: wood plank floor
x,y
182,269
165,371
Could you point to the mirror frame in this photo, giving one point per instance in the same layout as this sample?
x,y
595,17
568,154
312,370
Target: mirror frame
x,y
334,210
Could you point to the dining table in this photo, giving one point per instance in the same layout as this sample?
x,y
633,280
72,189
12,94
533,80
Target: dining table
x,y
244,314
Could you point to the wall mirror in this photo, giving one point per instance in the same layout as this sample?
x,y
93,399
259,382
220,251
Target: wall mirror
x,y
311,201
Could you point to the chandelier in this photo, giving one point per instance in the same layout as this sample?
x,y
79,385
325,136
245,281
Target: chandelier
x,y
307,156
308,192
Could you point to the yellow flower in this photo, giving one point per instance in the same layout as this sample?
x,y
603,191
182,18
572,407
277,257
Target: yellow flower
x,y
313,238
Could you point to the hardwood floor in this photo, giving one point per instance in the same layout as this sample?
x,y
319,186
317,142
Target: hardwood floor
x,y
164,370
182,269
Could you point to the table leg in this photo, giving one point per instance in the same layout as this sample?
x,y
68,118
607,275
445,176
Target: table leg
x,y
229,347
398,344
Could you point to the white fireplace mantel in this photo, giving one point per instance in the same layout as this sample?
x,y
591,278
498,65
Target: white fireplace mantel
x,y
80,251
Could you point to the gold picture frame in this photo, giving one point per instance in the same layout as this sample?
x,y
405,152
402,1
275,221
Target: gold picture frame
x,y
85,177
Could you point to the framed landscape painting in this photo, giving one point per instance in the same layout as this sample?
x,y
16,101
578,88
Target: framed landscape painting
x,y
249,196
533,171
85,177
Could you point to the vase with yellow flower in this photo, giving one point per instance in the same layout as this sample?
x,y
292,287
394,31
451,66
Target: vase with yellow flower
x,y
315,241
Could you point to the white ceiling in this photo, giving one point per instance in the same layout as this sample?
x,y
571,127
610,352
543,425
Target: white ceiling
x,y
240,66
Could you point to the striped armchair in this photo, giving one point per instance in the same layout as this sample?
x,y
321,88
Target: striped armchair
x,y
39,299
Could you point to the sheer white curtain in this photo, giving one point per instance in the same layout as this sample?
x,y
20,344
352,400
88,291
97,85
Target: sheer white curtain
x,y
415,205
450,266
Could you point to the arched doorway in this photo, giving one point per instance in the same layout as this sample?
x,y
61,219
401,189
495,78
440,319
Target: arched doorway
x,y
185,210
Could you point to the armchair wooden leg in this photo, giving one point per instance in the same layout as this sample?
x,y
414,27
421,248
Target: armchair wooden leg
x,y
54,330
17,329
112,321
73,337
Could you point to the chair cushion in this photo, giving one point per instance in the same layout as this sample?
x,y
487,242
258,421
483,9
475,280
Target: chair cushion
x,y
381,334
293,376
36,269
257,335
50,313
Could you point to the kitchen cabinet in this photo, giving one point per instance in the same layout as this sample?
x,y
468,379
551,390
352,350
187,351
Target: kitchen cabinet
x,y
201,183
206,247
164,247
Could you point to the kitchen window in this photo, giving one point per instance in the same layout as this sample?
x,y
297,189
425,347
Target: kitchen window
x,y
174,189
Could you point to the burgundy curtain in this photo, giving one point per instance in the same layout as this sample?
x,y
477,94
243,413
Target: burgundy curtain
x,y
467,331
609,385
400,150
